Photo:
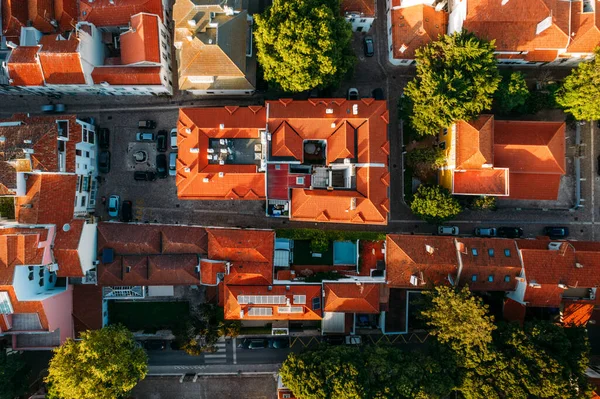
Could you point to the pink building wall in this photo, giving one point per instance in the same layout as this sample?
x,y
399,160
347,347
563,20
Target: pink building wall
x,y
59,313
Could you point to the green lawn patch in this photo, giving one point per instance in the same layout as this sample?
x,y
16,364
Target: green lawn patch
x,y
147,316
7,207
303,254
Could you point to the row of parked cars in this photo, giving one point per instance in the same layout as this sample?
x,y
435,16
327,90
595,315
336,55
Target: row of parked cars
x,y
554,232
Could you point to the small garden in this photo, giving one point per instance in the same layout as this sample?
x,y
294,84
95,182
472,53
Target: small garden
x,y
7,208
320,240
147,316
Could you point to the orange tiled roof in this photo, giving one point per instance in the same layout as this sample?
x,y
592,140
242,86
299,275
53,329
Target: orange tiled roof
x,y
209,270
494,268
26,306
87,307
142,42
104,13
24,67
127,75
241,245
52,198
19,247
513,311
585,29
528,158
365,8
481,181
351,297
236,311
203,180
60,60
65,12
286,142
41,12
576,313
66,251
14,16
407,255
158,269
415,26
513,25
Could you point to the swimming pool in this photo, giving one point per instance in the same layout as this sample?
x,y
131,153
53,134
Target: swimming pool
x,y
344,253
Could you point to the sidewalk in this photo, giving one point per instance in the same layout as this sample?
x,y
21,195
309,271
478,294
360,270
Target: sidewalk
x,y
221,369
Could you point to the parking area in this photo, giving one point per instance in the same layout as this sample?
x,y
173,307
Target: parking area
x,y
156,201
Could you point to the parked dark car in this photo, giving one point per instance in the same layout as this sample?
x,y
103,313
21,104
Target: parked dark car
x,y
104,138
556,232
334,339
149,176
485,231
510,232
162,170
104,162
155,344
279,343
126,211
378,94
147,124
254,343
353,94
161,141
369,46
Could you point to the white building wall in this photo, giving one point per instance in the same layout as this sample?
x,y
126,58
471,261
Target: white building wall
x,y
91,49
86,168
87,246
30,290
360,23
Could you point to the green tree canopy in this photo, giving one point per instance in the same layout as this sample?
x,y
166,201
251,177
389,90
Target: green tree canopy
x,y
512,92
581,90
14,374
434,204
303,44
456,79
378,372
105,364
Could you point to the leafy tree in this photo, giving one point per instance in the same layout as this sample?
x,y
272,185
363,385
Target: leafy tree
x,y
327,372
459,320
230,328
303,44
431,158
14,375
484,202
581,90
104,364
456,78
512,92
434,204
200,332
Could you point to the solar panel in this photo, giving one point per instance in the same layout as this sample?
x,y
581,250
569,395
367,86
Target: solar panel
x,y
260,312
316,303
290,309
261,299
299,299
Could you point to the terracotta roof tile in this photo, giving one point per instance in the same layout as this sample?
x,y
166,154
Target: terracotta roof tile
x,y
150,270
19,247
531,186
481,181
209,270
127,75
40,13
233,309
513,311
14,16
48,195
24,67
351,297
60,60
117,13
474,142
241,245
66,12
365,8
415,26
286,142
576,313
142,42
250,273
342,143
87,307
408,255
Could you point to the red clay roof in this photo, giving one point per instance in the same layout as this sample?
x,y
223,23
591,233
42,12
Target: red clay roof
x,y
87,307
513,25
415,26
14,16
24,67
577,313
51,197
150,270
351,297
65,249
103,13
286,142
533,153
142,42
407,255
365,8
65,12
19,247
202,181
60,60
492,262
233,309
209,270
127,75
241,245
513,311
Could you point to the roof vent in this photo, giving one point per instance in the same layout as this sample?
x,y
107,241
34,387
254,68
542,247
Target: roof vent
x,y
287,287
403,48
194,150
333,125
192,23
578,265
535,285
205,180
270,288
222,126
554,246
187,170
221,174
563,286
189,38
188,130
429,249
66,227
355,109
210,41
128,269
329,111
197,269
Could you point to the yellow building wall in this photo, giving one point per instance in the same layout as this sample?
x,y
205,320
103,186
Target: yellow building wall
x,y
445,175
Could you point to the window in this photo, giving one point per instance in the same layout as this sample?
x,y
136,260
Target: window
x,y
82,201
87,154
474,277
443,145
91,137
84,135
507,278
299,299
474,251
352,19
78,152
316,303
507,253
286,396
5,304
491,278
363,20
444,131
491,252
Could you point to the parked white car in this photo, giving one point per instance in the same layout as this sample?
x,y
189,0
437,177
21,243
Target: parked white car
x,y
114,203
173,136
